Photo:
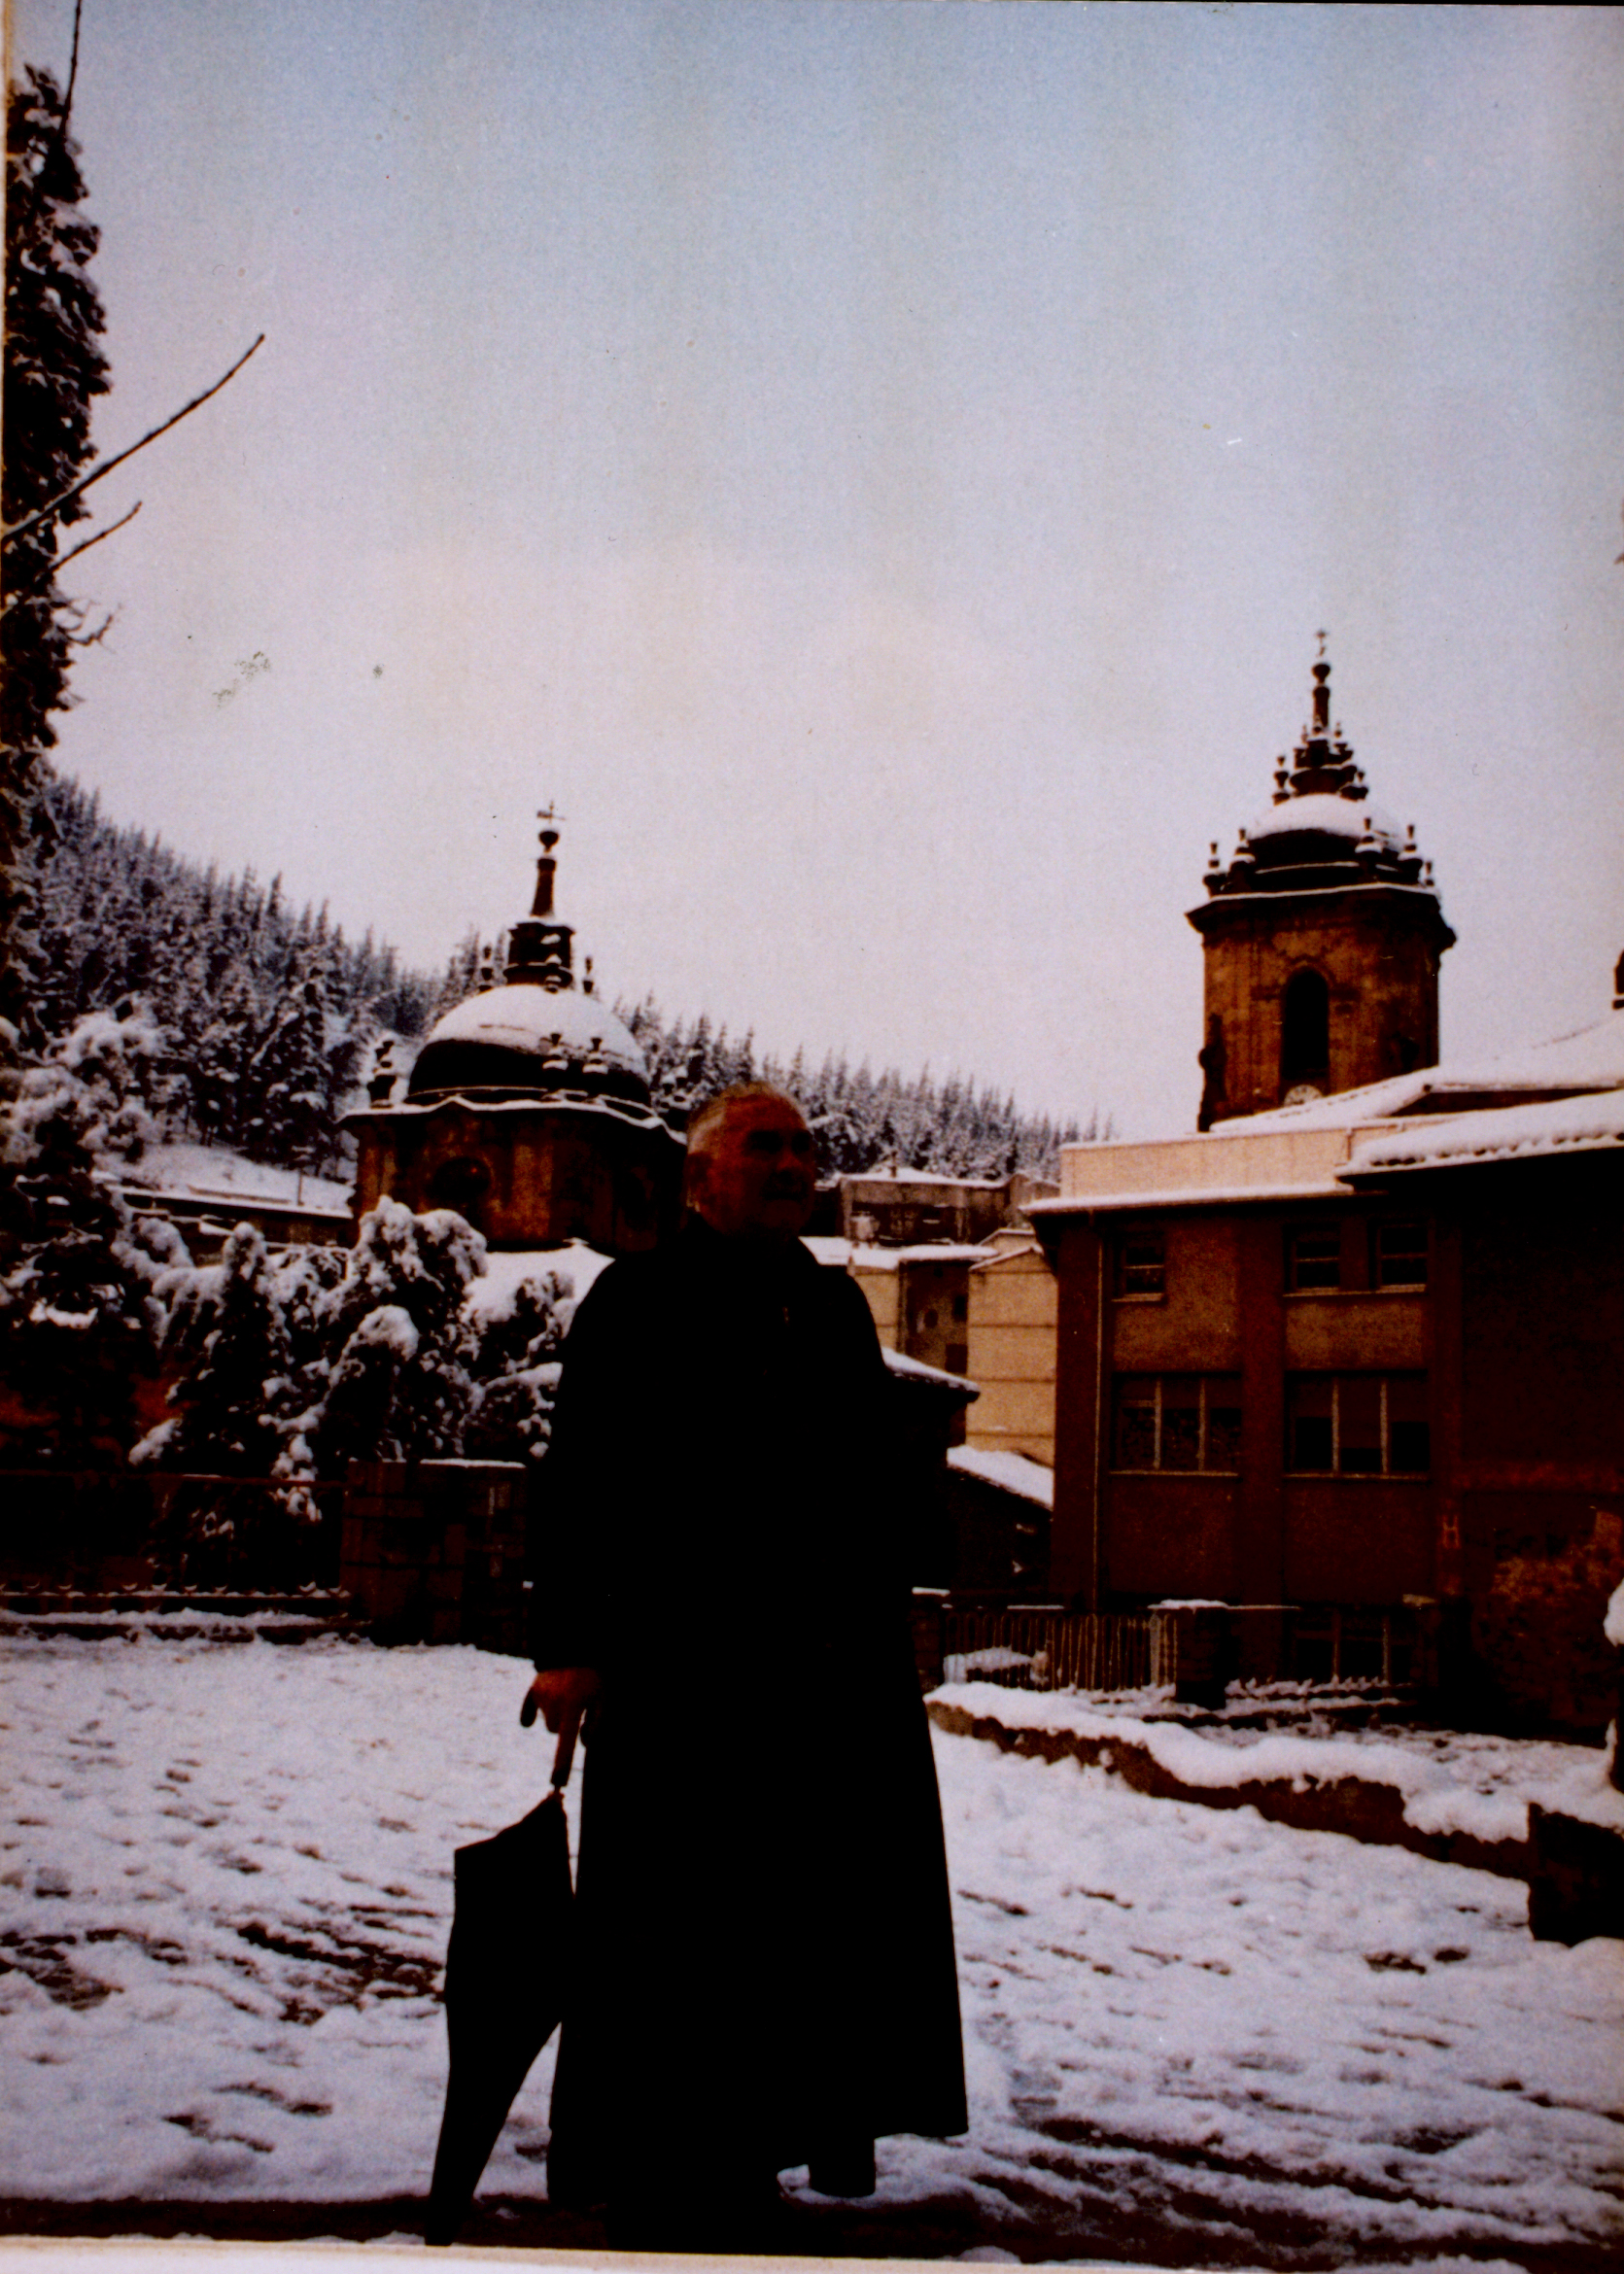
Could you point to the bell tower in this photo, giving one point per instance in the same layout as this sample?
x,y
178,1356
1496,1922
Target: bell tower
x,y
1321,939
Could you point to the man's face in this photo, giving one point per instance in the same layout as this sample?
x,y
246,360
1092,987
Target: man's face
x,y
759,1172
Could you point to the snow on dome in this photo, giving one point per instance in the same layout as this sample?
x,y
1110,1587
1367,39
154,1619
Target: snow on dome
x,y
1330,816
526,1018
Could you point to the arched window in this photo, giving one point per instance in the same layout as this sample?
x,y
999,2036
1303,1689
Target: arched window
x,y
1305,1031
462,1183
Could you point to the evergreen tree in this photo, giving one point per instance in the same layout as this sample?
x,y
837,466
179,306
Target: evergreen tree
x,y
860,1121
54,370
226,1329
397,1384
80,1287
517,1368
267,1015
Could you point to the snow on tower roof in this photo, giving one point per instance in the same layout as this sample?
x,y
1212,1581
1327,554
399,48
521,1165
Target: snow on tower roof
x,y
1330,816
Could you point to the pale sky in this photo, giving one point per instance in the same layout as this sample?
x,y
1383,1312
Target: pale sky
x,y
880,469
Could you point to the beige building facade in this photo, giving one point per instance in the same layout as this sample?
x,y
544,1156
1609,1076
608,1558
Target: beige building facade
x,y
1011,1328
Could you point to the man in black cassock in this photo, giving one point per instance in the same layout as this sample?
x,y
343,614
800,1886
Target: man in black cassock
x,y
766,1951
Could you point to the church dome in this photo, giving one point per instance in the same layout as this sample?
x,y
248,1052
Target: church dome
x,y
1327,816
531,1037
544,1032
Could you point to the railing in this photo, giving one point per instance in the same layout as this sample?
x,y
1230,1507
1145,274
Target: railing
x,y
1195,1650
1036,1649
123,1531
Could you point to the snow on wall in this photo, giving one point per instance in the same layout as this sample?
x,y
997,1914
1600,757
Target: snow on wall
x,y
1613,1626
1481,1788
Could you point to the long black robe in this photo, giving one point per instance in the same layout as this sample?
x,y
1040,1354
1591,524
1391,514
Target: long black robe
x,y
766,1950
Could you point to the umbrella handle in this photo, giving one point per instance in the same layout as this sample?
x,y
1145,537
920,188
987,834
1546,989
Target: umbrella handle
x,y
563,1752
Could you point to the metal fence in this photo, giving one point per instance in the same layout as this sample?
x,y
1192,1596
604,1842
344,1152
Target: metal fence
x,y
1039,1649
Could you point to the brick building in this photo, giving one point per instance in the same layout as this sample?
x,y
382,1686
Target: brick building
x,y
1351,1362
527,1110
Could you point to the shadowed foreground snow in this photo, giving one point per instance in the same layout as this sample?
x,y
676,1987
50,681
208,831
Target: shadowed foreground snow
x,y
224,1897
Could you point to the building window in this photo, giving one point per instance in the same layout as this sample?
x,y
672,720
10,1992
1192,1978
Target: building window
x,y
1313,1258
1305,1032
1399,1255
1356,1425
1141,1265
961,1309
462,1183
1180,1422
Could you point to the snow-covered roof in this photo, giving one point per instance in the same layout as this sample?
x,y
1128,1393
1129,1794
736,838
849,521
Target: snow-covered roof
x,y
1593,1124
914,1369
1590,1058
536,1020
990,1256
1012,1473
1346,1109
1331,817
891,1175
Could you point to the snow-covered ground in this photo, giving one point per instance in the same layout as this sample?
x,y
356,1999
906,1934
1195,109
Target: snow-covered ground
x,y
1192,2037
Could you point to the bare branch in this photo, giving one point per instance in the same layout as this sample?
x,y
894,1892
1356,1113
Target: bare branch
x,y
73,74
45,512
49,568
58,139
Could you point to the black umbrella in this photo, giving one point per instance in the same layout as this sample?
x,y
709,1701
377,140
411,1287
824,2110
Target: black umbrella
x,y
505,1979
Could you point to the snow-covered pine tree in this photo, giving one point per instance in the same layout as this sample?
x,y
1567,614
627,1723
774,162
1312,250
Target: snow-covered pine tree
x,y
517,1369
79,1299
53,370
220,963
395,1383
226,1330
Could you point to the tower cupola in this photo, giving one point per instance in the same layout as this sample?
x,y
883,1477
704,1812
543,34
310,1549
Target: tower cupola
x,y
1322,937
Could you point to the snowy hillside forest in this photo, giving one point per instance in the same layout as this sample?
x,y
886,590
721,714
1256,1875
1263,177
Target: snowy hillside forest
x,y
267,1017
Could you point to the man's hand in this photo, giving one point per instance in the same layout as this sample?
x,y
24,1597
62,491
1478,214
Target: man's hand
x,y
560,1694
